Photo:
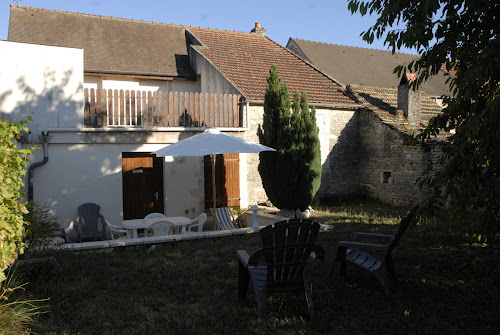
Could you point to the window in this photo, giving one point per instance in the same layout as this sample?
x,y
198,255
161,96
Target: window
x,y
387,177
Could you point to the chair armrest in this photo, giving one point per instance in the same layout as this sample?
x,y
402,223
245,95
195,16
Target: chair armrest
x,y
372,236
104,225
243,257
358,245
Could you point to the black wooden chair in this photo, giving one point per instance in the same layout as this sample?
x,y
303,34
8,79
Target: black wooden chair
x,y
381,268
87,226
287,246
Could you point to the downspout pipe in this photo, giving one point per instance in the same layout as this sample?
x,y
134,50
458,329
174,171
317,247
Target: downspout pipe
x,y
44,137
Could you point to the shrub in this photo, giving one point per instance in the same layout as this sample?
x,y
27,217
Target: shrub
x,y
292,175
39,224
13,162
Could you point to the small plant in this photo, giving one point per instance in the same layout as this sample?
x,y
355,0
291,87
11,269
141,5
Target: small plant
x,y
16,315
241,218
40,224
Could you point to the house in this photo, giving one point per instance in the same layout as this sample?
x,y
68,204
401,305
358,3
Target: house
x,y
363,66
390,163
105,92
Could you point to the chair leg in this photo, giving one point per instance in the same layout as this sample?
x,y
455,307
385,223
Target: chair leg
x,y
341,257
260,297
309,300
243,282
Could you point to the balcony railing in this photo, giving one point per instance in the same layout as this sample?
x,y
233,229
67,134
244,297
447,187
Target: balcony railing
x,y
160,109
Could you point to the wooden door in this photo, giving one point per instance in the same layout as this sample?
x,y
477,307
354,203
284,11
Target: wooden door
x,y
142,178
227,181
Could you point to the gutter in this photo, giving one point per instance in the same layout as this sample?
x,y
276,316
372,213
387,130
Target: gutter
x,y
315,104
44,136
118,129
133,73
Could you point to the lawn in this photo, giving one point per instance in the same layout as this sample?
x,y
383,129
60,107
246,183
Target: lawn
x,y
449,285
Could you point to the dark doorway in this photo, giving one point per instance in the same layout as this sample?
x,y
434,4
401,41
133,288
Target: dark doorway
x,y
142,178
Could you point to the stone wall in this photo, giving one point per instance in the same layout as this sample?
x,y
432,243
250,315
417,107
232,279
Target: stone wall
x,y
256,192
339,138
340,151
389,168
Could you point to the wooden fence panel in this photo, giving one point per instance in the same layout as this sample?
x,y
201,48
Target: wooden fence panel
x,y
127,108
160,109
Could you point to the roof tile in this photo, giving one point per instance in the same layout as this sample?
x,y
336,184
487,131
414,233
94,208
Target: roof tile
x,y
246,58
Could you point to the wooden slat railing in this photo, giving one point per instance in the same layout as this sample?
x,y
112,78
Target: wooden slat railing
x,y
160,109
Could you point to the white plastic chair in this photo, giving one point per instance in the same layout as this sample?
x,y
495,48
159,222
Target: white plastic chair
x,y
119,230
155,216
162,228
198,223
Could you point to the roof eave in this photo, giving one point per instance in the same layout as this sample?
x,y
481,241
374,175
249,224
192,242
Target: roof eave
x,y
315,104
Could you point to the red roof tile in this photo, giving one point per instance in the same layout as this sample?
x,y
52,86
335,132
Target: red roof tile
x,y
246,58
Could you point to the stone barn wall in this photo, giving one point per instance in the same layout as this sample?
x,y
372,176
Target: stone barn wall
x,y
390,168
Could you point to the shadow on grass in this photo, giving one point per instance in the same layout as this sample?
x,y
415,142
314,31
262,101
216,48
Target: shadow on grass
x,y
448,286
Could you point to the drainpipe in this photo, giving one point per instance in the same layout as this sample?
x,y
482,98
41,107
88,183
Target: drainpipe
x,y
45,139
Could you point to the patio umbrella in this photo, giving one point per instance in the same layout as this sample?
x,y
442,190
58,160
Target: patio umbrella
x,y
211,142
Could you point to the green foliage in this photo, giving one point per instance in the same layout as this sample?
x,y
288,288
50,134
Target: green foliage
x,y
292,175
16,316
462,36
13,162
39,224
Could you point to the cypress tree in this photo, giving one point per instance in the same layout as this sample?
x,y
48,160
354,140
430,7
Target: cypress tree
x,y
292,175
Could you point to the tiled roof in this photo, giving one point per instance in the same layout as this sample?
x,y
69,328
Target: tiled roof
x,y
140,47
384,101
362,66
110,44
246,58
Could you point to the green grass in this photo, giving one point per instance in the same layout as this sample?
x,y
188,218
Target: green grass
x,y
449,285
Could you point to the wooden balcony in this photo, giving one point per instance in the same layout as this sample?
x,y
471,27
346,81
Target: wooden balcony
x,y
160,109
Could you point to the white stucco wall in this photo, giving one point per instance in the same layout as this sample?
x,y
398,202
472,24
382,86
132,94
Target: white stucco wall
x,y
78,172
41,81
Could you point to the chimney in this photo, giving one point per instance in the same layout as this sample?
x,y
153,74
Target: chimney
x,y
258,29
409,100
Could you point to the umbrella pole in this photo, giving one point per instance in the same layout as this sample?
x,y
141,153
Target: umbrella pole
x,y
213,191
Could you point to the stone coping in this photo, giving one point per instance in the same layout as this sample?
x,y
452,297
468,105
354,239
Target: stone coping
x,y
124,242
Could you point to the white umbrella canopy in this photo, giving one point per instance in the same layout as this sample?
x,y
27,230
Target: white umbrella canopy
x,y
211,142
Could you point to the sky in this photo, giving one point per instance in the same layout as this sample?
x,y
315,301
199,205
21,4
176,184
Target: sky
x,y
327,21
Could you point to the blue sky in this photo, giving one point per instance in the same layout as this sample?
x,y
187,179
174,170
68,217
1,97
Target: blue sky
x,y
326,21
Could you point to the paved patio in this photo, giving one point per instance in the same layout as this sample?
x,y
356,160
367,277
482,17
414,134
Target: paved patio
x,y
125,242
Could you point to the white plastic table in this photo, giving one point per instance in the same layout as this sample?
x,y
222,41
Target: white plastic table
x,y
180,223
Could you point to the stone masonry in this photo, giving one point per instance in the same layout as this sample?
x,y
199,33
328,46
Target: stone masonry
x,y
390,168
340,150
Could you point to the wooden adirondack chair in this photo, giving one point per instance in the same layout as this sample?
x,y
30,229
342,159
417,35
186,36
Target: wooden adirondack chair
x,y
87,226
381,268
286,247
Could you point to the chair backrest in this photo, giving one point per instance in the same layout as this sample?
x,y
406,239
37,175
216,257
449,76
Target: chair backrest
x,y
89,215
198,222
287,246
162,228
405,222
155,216
224,218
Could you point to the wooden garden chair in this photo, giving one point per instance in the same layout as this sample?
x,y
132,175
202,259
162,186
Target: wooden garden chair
x,y
279,265
382,268
87,223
